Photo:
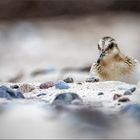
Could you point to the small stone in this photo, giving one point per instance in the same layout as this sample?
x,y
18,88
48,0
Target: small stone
x,y
116,96
100,93
130,91
66,99
127,92
46,85
92,80
4,93
61,85
14,86
124,99
9,93
79,83
133,89
41,94
69,80
25,88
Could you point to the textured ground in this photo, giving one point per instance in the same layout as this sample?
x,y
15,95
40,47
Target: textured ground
x,y
95,115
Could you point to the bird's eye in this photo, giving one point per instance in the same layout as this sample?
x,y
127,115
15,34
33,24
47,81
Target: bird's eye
x,y
111,45
99,47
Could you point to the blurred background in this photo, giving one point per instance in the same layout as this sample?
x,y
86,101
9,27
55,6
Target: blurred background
x,y
46,40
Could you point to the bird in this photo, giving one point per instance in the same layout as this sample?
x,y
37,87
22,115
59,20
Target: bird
x,y
113,65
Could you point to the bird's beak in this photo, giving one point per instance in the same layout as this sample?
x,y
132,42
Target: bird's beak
x,y
101,56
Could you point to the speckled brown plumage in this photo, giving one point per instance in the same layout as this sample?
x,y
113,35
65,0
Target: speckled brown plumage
x,y
114,65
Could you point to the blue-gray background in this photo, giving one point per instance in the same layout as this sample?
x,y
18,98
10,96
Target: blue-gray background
x,y
55,34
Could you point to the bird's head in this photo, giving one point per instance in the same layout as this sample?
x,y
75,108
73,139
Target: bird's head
x,y
108,48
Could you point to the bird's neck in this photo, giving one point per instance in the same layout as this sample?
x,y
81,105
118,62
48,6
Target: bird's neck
x,y
115,66
117,58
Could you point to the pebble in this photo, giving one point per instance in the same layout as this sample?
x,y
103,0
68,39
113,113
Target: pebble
x,y
133,89
41,94
46,85
69,80
66,99
92,80
14,86
124,99
79,83
127,92
61,85
9,93
130,91
100,93
116,96
25,88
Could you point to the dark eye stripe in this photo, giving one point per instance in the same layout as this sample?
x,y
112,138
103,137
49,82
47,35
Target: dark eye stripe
x,y
111,46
